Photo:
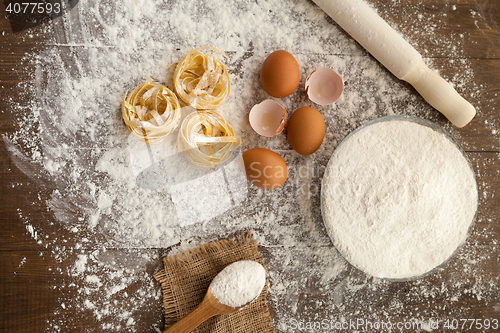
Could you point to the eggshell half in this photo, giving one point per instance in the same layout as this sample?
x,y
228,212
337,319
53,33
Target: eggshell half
x,y
324,86
267,118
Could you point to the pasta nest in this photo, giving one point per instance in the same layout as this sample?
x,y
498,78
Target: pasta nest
x,y
202,80
206,139
151,111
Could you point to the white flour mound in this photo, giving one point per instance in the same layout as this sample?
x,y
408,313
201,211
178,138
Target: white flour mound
x,y
398,199
239,283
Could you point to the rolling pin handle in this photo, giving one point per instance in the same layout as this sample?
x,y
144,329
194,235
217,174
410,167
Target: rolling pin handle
x,y
440,94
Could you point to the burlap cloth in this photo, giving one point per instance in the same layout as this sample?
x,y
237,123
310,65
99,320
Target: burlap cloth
x,y
185,279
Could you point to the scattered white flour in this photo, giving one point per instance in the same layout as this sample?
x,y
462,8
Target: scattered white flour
x,y
398,198
71,143
80,264
239,283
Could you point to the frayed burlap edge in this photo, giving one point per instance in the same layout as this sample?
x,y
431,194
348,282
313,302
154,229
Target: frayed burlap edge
x,y
185,278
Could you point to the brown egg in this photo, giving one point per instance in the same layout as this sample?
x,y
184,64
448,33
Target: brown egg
x,y
280,74
306,130
264,168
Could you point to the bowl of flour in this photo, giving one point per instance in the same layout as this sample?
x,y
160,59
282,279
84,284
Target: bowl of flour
x,y
399,198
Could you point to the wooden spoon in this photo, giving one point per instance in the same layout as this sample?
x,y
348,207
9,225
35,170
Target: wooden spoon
x,y
208,308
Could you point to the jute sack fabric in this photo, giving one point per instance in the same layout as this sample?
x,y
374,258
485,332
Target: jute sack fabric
x,y
185,278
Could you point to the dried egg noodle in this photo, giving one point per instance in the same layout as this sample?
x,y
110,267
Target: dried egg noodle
x,y
151,111
206,139
201,80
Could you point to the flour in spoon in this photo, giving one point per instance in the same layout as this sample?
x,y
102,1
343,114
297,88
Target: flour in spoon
x,y
239,283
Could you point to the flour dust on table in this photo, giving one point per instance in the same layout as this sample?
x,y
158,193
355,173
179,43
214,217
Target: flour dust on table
x,y
105,198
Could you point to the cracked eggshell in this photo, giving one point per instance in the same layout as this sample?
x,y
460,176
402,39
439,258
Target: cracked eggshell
x,y
324,86
267,118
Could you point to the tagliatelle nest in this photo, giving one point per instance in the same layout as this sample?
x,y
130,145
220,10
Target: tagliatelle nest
x,y
151,111
206,139
202,80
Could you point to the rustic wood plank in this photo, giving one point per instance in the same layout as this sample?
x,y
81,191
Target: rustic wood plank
x,y
434,28
28,299
25,291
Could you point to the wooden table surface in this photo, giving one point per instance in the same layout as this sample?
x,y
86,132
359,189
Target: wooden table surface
x,y
31,282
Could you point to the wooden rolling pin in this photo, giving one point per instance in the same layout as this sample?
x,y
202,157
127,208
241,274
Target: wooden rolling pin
x,y
359,20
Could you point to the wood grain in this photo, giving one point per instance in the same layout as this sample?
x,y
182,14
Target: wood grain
x,y
28,276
